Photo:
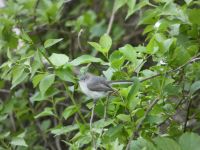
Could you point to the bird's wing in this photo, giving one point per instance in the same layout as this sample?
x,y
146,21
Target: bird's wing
x,y
99,84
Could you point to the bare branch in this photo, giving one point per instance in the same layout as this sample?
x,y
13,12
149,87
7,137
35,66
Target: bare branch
x,y
194,59
111,21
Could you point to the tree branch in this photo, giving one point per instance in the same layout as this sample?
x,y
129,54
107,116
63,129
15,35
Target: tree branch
x,y
194,59
138,127
111,21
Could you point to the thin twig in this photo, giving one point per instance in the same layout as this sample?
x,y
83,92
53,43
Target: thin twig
x,y
135,133
12,120
91,121
176,107
111,21
187,114
112,17
57,138
4,91
79,41
105,108
194,59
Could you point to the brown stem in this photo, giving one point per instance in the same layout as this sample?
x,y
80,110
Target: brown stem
x,y
187,114
79,41
111,22
138,127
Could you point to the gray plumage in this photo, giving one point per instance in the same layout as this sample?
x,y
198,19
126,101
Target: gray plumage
x,y
97,87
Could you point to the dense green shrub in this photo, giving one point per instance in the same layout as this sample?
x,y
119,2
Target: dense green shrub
x,y
154,43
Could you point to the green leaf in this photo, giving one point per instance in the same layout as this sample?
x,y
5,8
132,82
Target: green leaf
x,y
18,141
85,59
193,15
19,75
69,111
47,112
188,1
102,123
106,43
124,118
152,46
96,46
131,6
142,144
51,42
65,74
63,130
163,143
116,145
46,82
116,59
134,89
194,87
129,53
26,37
59,59
189,141
36,79
118,4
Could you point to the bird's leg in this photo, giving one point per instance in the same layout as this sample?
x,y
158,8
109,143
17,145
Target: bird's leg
x,y
92,114
105,112
91,121
106,105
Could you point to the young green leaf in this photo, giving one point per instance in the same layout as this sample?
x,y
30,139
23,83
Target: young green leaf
x,y
59,59
46,82
36,79
131,6
69,111
141,144
129,53
17,141
105,42
116,59
163,143
46,112
194,87
189,141
85,59
65,74
64,129
96,46
134,89
118,4
51,42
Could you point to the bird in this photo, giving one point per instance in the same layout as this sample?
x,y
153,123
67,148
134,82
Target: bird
x,y
97,87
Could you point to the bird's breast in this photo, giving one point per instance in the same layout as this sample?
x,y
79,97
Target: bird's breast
x,y
90,93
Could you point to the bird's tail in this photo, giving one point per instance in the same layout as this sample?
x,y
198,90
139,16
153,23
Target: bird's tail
x,y
120,82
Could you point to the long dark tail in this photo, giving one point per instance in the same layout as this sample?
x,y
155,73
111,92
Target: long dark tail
x,y
120,82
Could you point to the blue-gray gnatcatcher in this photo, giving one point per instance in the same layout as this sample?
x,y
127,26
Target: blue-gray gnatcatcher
x,y
97,87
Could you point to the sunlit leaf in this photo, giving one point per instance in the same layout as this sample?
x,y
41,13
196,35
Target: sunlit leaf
x,y
51,42
46,82
84,59
46,112
58,59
